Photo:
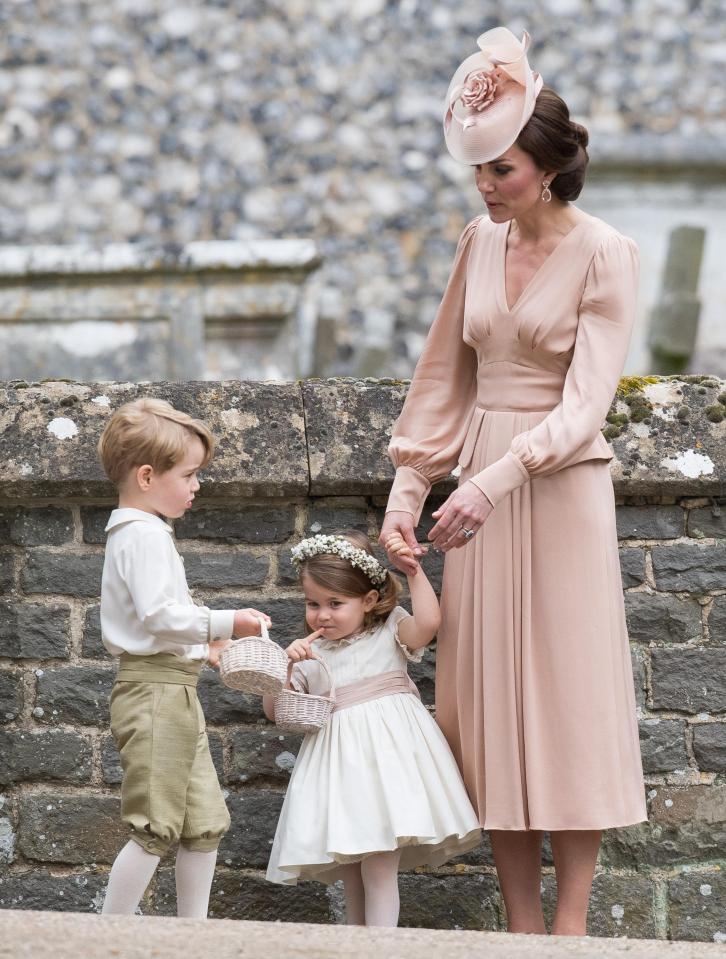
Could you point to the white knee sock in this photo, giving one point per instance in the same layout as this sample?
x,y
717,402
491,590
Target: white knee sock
x,y
194,874
355,899
130,875
380,880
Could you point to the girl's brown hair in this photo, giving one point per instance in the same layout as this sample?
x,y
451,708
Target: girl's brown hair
x,y
338,575
555,142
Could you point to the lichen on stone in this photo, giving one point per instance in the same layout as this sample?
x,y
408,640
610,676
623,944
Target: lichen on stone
x,y
634,384
702,379
640,407
618,419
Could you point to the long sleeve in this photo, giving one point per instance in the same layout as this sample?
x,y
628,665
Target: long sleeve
x,y
606,317
150,567
429,434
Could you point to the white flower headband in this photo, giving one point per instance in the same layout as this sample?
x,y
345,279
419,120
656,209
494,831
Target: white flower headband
x,y
315,545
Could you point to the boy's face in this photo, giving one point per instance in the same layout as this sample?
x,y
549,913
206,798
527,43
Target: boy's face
x,y
171,493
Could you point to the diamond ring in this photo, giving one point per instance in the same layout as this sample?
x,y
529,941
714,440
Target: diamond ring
x,y
466,533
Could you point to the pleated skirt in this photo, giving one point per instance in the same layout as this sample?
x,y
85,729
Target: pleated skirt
x,y
534,682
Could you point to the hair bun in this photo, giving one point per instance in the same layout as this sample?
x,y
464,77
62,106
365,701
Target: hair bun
x,y
580,134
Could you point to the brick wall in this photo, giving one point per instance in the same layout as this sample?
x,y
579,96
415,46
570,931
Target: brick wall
x,y
59,772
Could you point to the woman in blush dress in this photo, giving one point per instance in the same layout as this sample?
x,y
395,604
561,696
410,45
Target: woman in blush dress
x,y
534,686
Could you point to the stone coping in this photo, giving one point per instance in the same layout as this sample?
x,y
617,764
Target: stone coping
x,y
647,152
18,262
57,935
329,437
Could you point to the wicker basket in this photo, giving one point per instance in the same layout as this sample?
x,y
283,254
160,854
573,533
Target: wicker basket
x,y
254,664
303,712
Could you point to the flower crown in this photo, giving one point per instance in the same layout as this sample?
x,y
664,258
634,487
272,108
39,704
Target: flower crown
x,y
315,545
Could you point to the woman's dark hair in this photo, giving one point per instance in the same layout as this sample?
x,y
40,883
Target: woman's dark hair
x,y
555,142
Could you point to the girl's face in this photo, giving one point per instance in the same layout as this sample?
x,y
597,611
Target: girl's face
x,y
339,615
510,185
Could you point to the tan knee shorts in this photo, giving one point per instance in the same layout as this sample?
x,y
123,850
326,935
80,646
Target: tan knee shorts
x,y
170,790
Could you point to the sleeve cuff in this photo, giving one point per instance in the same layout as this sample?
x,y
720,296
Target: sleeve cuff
x,y
221,624
500,478
409,492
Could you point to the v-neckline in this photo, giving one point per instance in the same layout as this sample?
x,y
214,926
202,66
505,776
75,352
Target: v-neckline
x,y
540,269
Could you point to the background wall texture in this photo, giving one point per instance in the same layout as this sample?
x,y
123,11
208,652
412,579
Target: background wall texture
x,y
300,458
176,121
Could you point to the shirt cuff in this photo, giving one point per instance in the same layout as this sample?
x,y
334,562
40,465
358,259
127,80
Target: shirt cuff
x,y
500,478
221,624
409,492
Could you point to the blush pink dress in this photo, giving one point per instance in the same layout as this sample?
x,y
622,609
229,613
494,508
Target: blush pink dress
x,y
534,685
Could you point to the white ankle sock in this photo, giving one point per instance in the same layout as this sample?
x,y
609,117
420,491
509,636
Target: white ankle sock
x,y
130,875
194,874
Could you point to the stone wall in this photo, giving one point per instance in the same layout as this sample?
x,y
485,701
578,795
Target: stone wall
x,y
208,310
171,122
305,457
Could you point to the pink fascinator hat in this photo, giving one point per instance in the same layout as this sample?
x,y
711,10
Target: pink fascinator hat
x,y
491,97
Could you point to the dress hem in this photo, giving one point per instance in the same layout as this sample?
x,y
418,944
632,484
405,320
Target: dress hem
x,y
434,852
565,828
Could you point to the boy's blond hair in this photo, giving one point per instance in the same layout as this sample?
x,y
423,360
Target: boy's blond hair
x,y
149,432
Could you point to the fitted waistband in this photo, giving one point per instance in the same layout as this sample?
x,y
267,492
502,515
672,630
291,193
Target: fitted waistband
x,y
159,668
509,409
375,687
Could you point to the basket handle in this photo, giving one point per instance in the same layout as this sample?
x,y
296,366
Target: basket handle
x,y
291,665
264,634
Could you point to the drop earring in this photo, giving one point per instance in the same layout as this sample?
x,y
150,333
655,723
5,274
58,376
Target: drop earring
x,y
546,192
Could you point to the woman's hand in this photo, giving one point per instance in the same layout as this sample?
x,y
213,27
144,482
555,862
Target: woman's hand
x,y
300,649
466,509
397,526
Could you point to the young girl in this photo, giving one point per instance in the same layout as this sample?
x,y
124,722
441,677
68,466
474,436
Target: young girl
x,y
377,789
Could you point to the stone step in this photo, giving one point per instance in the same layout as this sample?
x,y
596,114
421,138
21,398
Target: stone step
x,y
37,935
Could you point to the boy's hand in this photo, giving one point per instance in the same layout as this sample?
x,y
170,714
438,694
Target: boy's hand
x,y
215,649
300,648
246,622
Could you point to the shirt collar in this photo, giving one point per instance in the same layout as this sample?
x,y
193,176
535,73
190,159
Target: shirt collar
x,y
128,514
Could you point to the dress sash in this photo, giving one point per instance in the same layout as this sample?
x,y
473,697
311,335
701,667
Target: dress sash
x,y
374,687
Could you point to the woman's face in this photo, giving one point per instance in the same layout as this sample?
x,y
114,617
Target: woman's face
x,y
510,185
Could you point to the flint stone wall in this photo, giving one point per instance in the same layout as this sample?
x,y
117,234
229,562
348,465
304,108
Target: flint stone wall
x,y
167,122
300,458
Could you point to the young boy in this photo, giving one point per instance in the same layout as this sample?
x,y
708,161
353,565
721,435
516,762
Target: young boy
x,y
170,791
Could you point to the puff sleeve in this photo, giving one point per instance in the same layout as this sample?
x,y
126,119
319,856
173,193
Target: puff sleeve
x,y
606,316
429,434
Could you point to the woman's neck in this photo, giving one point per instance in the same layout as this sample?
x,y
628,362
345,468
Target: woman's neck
x,y
544,221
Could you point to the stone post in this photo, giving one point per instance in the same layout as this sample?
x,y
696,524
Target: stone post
x,y
674,320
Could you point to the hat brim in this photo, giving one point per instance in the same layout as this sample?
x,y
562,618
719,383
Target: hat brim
x,y
481,137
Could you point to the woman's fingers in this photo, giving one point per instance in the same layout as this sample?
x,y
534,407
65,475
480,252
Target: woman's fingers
x,y
448,532
442,531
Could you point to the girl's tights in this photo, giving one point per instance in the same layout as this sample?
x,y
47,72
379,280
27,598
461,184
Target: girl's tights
x,y
371,890
132,872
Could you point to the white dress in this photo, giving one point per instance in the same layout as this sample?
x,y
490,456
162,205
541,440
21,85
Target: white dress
x,y
378,777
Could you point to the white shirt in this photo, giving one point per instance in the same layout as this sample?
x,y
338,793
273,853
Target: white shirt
x,y
146,606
